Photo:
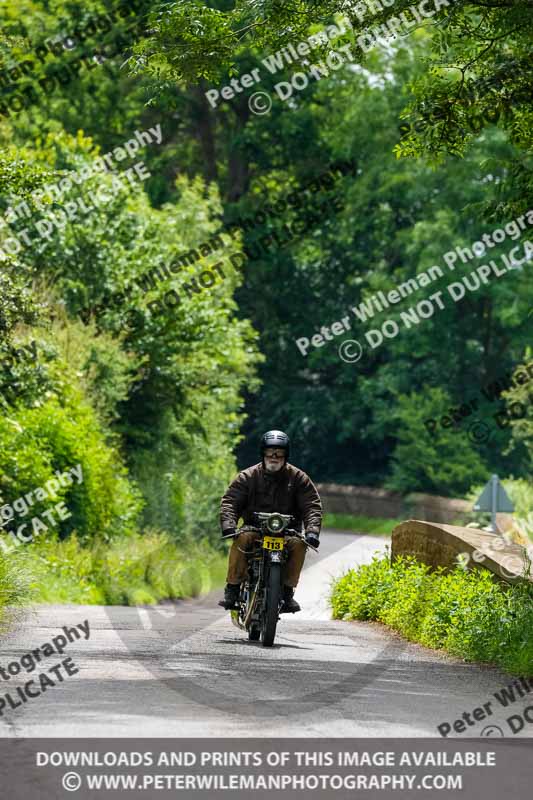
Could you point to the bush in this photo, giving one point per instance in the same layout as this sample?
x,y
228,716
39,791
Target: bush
x,y
36,442
440,462
14,588
101,363
522,423
133,570
136,381
467,614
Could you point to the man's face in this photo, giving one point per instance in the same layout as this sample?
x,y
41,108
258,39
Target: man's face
x,y
274,459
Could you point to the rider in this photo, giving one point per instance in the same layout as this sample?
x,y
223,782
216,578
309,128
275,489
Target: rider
x,y
271,485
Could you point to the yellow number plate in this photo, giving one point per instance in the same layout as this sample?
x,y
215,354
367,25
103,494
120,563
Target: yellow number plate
x,y
272,543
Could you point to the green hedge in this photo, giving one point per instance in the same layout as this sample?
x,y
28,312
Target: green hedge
x,y
13,588
36,442
464,613
131,570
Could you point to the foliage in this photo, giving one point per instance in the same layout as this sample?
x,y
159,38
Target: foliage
x,y
520,416
16,304
443,460
139,569
167,393
399,217
477,72
190,40
14,589
56,436
465,613
104,366
167,379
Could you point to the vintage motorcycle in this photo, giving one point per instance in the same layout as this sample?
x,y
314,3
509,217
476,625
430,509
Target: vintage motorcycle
x,y
260,597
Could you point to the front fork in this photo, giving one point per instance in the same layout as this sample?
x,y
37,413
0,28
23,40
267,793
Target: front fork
x,y
254,607
248,602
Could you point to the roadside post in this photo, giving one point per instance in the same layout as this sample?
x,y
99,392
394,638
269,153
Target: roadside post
x,y
494,498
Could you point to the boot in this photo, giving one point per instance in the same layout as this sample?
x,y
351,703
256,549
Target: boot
x,y
290,606
231,596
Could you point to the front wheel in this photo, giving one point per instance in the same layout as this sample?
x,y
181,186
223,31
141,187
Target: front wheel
x,y
254,632
271,611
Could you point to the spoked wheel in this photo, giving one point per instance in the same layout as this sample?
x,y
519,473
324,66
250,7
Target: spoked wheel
x,y
270,614
254,632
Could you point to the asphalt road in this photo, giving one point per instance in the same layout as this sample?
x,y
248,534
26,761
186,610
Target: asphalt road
x,y
184,670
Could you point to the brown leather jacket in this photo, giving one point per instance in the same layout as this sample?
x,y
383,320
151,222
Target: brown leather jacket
x,y
289,491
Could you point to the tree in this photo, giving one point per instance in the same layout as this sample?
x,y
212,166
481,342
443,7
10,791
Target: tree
x,y
175,401
478,69
518,413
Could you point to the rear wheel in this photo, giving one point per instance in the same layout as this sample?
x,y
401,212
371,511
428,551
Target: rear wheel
x,y
270,614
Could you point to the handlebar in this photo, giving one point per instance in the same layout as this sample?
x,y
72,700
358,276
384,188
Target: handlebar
x,y
291,531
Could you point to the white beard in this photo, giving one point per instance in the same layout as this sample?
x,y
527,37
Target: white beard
x,y
270,467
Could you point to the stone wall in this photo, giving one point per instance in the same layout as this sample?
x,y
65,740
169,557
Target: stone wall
x,y
439,545
369,502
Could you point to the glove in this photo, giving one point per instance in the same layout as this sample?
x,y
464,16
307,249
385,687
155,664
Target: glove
x,y
312,539
228,533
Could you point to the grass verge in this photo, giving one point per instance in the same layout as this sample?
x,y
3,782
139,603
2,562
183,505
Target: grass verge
x,y
14,589
465,613
133,570
379,526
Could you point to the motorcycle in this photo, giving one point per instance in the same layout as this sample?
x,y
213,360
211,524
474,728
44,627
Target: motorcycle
x,y
260,598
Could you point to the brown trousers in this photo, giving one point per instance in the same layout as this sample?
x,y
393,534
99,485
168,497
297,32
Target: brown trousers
x,y
237,566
